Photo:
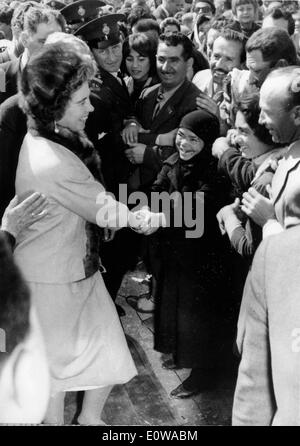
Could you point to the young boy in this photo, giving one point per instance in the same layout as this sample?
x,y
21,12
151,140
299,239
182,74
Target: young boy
x,y
245,13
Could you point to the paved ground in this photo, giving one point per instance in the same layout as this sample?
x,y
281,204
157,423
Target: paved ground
x,y
209,408
145,400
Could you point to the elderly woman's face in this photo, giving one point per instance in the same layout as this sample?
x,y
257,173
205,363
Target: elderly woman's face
x,y
188,144
77,110
138,66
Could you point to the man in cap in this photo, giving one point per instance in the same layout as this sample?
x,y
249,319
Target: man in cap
x,y
104,39
80,12
55,4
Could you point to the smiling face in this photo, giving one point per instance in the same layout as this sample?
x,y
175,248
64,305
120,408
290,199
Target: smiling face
x,y
171,66
226,55
188,144
249,144
77,110
278,120
109,58
138,66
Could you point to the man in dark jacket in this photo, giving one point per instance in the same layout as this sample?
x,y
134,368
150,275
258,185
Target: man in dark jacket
x,y
39,22
161,107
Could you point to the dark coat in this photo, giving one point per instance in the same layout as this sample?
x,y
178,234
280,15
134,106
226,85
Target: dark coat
x,y
182,102
11,69
13,127
191,274
241,173
117,104
236,26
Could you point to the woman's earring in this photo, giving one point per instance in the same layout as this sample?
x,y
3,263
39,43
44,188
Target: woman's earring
x,y
56,130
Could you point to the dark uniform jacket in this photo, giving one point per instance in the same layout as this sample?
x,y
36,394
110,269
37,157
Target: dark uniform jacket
x,y
11,69
116,105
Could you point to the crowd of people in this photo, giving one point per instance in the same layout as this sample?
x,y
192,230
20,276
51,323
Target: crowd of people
x,y
158,132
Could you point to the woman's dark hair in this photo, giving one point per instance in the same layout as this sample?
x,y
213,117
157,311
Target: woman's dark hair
x,y
169,21
249,106
144,45
48,81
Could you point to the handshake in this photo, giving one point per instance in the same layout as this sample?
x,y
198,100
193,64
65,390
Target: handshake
x,y
146,222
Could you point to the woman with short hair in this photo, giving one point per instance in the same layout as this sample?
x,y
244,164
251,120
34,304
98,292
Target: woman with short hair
x,y
59,254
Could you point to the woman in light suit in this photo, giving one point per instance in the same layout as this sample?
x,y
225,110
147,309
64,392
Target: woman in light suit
x,y
59,254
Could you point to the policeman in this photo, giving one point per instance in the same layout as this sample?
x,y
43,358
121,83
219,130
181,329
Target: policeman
x,y
80,12
105,41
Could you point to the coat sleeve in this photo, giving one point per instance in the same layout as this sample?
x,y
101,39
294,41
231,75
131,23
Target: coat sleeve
x,y
70,184
12,132
240,170
254,398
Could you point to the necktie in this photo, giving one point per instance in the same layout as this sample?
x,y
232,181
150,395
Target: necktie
x,y
121,80
159,99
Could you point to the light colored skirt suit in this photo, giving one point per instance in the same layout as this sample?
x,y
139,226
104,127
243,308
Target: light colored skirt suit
x,y
85,343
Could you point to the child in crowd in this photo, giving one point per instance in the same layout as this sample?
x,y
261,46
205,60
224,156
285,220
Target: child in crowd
x,y
245,15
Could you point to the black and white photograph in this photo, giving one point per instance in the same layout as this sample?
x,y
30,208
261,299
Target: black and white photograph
x,y
149,213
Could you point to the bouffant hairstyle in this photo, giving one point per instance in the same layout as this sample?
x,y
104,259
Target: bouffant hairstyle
x,y
249,107
49,80
144,45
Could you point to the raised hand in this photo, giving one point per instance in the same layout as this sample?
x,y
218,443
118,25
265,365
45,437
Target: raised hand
x,y
259,208
136,153
18,216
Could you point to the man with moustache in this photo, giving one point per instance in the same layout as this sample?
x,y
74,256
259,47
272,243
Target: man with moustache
x,y
228,52
161,107
158,113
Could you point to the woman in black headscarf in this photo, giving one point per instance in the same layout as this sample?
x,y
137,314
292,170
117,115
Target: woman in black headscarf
x,y
191,271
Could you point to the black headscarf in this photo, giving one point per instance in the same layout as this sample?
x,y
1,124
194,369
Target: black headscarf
x,y
205,125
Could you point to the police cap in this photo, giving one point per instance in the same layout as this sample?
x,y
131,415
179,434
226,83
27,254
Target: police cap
x,y
82,11
55,4
102,32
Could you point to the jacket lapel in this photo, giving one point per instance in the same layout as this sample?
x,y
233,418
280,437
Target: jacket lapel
x,y
169,107
111,82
